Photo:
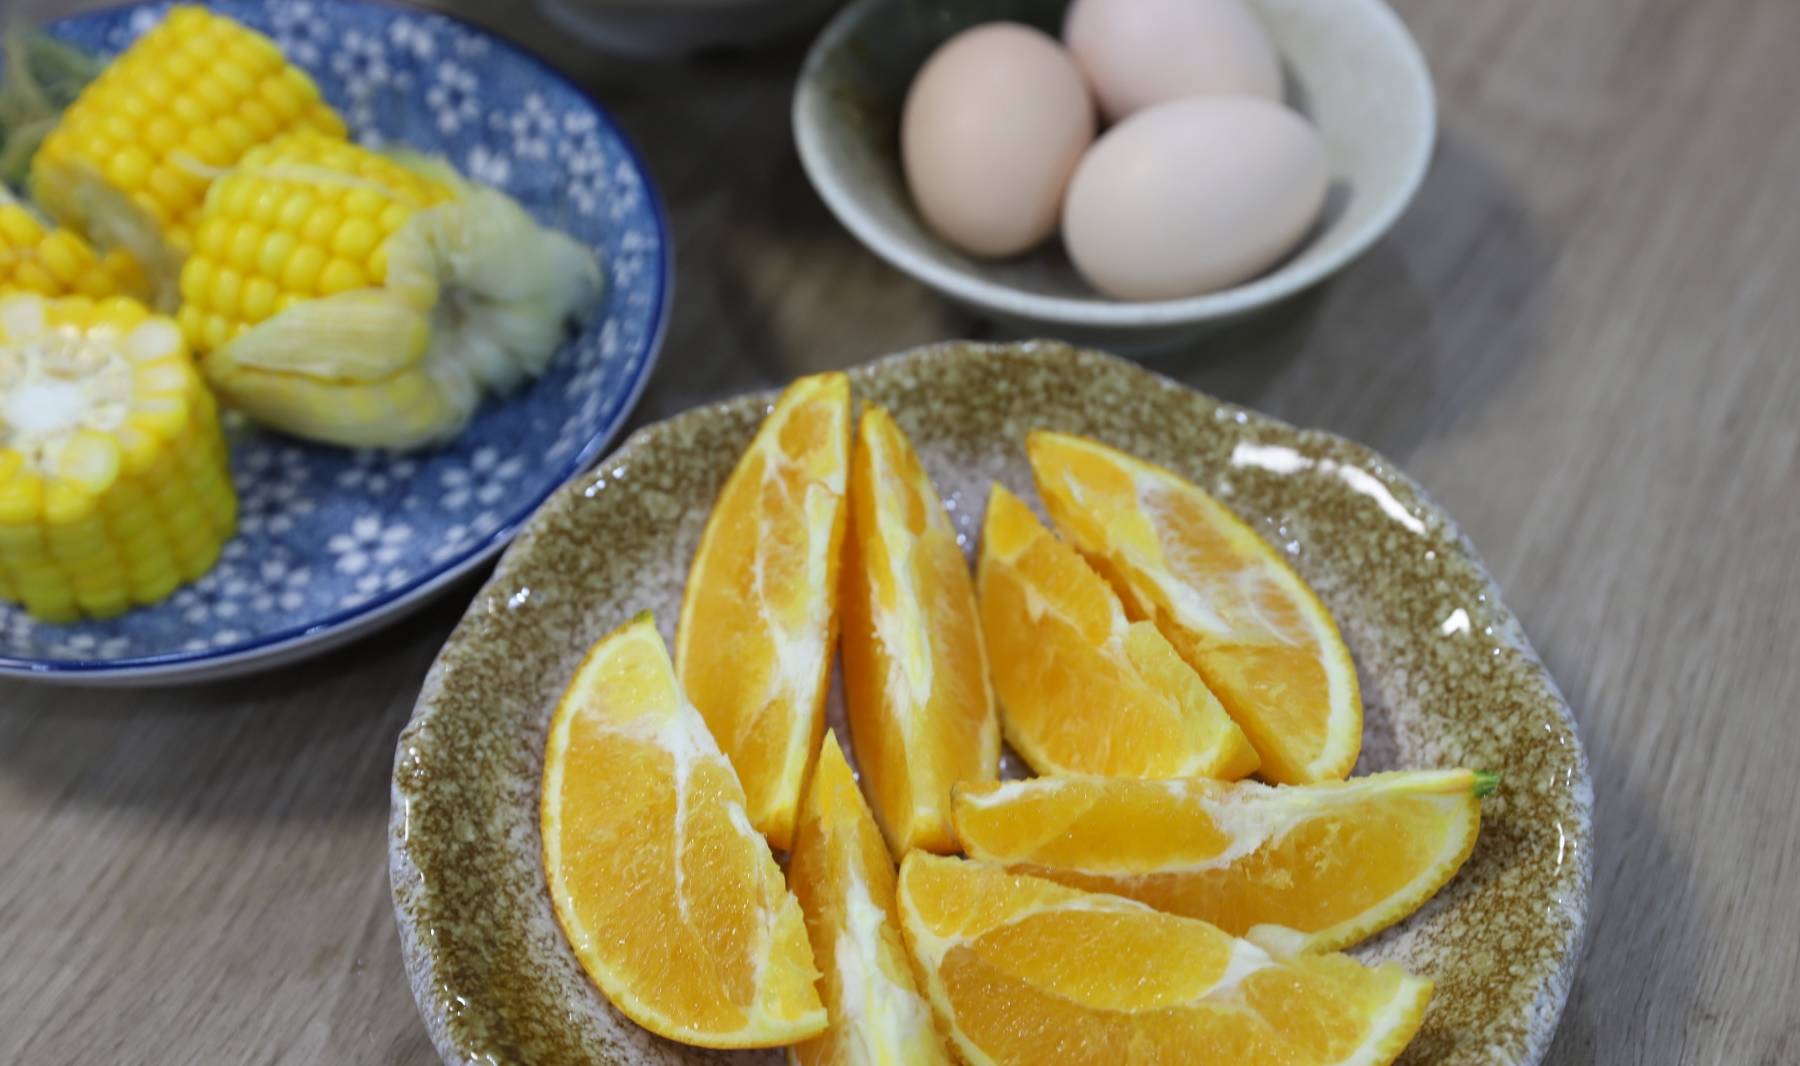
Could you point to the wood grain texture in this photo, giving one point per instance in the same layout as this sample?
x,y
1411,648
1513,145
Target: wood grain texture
x,y
1581,340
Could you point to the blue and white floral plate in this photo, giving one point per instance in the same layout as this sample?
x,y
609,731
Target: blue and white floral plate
x,y
332,544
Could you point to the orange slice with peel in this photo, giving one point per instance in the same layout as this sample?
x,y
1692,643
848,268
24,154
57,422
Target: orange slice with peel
x,y
915,674
1023,970
670,898
1083,689
1226,600
1311,867
841,872
759,615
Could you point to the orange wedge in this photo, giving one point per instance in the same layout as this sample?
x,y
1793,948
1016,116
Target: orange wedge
x,y
1232,607
1022,970
1308,867
915,674
842,874
1082,689
760,611
671,900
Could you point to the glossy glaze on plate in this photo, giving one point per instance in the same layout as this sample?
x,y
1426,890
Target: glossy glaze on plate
x,y
1448,679
330,541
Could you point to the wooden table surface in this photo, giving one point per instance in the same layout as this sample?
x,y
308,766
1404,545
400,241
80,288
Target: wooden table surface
x,y
1584,339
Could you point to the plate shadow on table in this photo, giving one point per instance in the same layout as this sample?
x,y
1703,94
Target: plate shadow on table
x,y
311,741
1609,987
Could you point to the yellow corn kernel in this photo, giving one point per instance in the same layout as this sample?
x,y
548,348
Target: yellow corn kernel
x,y
113,602
367,202
246,244
341,275
393,216
18,228
355,240
307,216
65,256
57,262
322,224
197,89
294,210
259,299
192,320
155,585
113,483
126,313
196,281
32,277
161,133
217,330
21,501
227,287
276,248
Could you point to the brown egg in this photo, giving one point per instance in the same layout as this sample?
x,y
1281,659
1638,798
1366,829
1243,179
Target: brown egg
x,y
993,126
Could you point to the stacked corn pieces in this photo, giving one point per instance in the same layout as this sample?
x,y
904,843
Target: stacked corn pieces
x,y
58,262
113,482
133,156
305,217
367,300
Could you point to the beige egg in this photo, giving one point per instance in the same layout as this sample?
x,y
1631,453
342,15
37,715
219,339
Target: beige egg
x,y
1139,53
1193,195
993,126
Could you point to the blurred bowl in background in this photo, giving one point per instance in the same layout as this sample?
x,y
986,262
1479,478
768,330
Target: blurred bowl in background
x,y
1350,67
663,29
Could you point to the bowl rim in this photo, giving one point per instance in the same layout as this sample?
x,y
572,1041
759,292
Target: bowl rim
x,y
323,633
1099,311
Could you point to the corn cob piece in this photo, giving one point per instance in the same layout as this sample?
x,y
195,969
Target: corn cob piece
x,y
308,217
131,160
367,300
113,482
58,262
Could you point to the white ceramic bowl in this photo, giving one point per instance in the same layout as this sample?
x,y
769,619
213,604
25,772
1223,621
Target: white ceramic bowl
x,y
660,29
1351,68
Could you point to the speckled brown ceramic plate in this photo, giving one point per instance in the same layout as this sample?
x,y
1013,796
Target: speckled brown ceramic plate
x,y
1448,679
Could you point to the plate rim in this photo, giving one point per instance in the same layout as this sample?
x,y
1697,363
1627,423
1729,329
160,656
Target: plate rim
x,y
316,636
407,881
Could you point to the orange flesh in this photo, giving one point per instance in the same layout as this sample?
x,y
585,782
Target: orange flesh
x,y
915,673
1333,863
1224,598
1082,689
759,616
671,901
1024,971
842,875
